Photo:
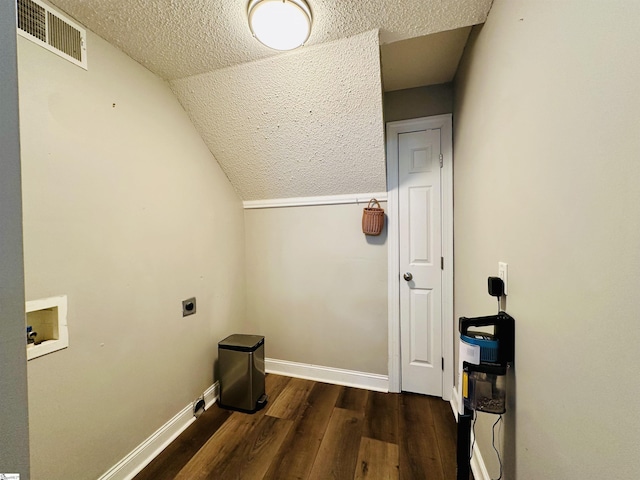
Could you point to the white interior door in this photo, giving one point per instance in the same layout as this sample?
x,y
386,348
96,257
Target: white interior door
x,y
420,245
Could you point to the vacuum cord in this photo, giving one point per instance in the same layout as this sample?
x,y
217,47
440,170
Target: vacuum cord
x,y
473,432
493,440
493,443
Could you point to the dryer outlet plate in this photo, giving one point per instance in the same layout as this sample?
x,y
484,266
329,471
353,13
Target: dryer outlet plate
x,y
189,306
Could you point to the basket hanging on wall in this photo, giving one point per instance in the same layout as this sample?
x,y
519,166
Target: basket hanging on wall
x,y
372,218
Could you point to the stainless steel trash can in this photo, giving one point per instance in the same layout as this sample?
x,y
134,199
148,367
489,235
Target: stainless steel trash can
x,y
241,361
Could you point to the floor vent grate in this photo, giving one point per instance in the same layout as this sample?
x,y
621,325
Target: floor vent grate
x,y
41,24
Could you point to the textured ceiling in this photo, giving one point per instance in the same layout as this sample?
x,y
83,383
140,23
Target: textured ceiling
x,y
180,38
298,125
294,124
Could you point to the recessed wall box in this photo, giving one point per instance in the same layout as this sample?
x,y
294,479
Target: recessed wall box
x,y
47,317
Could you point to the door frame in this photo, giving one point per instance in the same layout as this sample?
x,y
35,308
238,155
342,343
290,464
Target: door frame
x,y
444,123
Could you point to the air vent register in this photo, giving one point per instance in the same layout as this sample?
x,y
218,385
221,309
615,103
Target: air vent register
x,y
41,24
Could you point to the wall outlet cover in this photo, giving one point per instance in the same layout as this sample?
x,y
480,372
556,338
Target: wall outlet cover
x,y
189,306
503,274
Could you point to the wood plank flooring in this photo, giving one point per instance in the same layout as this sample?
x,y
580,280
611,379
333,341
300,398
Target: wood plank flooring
x,y
316,431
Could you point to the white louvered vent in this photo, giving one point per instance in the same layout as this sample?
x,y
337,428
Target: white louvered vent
x,y
50,29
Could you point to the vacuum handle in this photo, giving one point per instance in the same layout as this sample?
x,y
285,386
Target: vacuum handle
x,y
487,321
504,330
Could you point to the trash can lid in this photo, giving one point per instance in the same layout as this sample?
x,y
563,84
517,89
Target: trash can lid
x,y
241,342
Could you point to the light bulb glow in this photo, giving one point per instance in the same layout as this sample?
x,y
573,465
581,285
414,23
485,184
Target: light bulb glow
x,y
280,24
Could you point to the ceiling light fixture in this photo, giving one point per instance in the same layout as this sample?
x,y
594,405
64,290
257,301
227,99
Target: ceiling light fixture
x,y
280,24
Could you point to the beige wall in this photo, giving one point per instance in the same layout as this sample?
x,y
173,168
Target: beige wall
x,y
546,179
127,213
317,286
418,102
14,430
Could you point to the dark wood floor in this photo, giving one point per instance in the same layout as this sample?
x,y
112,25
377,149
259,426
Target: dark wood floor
x,y
316,431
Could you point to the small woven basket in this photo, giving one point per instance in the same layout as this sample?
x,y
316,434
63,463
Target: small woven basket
x,y
372,218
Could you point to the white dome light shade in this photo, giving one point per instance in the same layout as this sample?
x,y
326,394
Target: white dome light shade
x,y
280,24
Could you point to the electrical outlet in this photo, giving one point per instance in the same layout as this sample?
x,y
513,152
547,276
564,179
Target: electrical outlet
x,y
189,306
502,273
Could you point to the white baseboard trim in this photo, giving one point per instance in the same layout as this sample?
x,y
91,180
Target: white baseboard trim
x,y
454,402
320,200
211,395
338,376
478,466
143,454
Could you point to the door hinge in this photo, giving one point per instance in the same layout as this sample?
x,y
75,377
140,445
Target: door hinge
x,y
441,161
441,263
442,363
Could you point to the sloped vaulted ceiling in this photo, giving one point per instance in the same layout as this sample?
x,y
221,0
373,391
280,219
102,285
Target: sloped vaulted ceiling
x,y
301,123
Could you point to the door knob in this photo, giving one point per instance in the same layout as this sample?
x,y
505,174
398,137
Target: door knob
x,y
408,277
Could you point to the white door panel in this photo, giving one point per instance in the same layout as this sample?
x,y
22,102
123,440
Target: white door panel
x,y
419,201
421,314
